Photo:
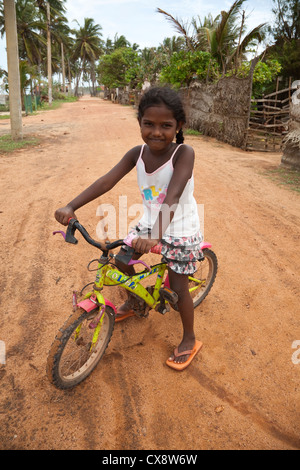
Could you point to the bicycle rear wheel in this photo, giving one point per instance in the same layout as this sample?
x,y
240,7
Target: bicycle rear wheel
x,y
202,280
79,346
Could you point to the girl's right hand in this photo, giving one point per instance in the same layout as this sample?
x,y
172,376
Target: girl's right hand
x,y
64,214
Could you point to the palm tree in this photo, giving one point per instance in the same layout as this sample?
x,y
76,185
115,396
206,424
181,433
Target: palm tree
x,y
88,47
50,9
224,36
63,43
120,42
151,62
29,26
30,41
171,45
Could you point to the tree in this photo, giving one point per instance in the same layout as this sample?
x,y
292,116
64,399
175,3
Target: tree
x,y
50,9
171,45
287,20
224,37
263,75
29,26
286,33
185,66
13,70
60,32
119,69
120,42
88,47
151,62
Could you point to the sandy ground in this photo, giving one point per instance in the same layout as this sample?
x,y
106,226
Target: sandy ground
x,y
240,392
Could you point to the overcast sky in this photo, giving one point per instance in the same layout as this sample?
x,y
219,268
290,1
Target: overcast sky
x,y
139,22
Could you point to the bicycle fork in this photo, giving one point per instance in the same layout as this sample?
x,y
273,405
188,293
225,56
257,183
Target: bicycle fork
x,y
96,325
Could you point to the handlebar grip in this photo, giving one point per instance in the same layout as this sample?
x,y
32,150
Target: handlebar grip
x,y
156,249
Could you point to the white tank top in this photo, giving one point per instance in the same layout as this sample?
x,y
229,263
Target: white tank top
x,y
153,188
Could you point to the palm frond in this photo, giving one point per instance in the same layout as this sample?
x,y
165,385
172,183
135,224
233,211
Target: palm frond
x,y
179,26
255,34
227,21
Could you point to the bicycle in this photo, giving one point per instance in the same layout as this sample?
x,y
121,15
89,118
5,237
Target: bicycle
x,y
81,342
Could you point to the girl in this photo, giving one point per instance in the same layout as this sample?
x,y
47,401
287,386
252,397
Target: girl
x,y
165,179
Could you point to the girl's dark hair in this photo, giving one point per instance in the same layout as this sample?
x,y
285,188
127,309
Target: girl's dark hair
x,y
163,95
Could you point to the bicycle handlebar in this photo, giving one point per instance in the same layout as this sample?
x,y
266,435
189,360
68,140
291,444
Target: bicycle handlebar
x,y
73,224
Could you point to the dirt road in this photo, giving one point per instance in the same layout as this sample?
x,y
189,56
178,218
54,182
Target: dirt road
x,y
241,391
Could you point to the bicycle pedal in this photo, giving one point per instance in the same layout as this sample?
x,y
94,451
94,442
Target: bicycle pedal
x,y
168,294
163,308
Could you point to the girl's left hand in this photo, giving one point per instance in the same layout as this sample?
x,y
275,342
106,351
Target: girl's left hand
x,y
144,245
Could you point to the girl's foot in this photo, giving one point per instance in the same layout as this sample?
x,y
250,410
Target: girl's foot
x,y
187,344
182,357
123,313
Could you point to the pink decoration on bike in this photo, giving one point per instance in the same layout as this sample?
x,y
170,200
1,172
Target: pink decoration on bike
x,y
204,245
167,282
110,304
88,305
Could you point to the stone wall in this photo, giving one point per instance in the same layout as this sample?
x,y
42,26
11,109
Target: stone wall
x,y
220,110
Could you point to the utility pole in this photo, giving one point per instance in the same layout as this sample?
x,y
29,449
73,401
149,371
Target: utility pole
x,y
49,56
15,102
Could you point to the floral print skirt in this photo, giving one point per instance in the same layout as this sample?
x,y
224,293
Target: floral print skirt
x,y
180,253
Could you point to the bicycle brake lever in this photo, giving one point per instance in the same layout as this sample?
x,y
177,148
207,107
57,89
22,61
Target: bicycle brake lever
x,y
70,233
137,261
60,231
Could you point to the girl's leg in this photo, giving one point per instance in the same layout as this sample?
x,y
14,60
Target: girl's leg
x,y
180,284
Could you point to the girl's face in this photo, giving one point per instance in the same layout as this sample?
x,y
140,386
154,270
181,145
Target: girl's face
x,y
158,128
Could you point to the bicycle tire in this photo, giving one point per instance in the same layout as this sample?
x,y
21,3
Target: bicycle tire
x,y
210,264
64,370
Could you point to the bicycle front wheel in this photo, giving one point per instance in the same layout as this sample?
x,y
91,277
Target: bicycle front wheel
x,y
202,280
79,346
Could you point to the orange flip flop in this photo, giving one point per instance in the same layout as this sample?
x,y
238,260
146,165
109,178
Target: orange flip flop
x,y
122,316
192,353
